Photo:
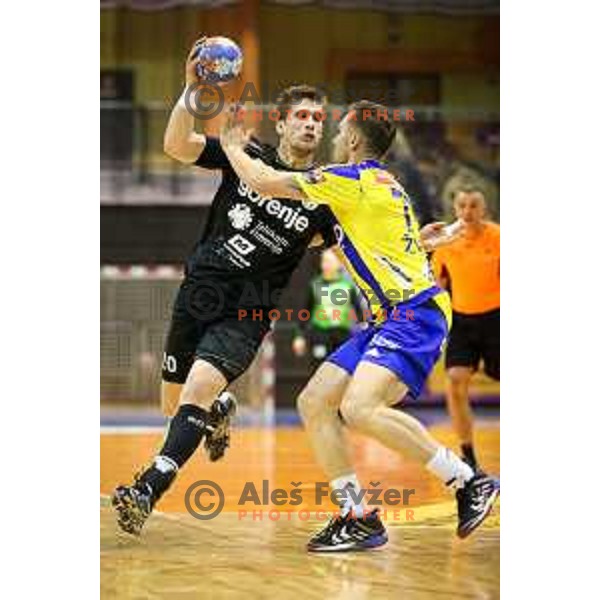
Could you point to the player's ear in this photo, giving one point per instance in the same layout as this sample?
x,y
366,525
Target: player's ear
x,y
354,139
279,127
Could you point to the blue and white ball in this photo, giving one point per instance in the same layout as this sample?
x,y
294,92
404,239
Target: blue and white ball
x,y
221,60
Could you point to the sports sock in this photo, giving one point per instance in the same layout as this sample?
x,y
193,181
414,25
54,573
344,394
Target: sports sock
x,y
468,453
185,432
348,482
449,468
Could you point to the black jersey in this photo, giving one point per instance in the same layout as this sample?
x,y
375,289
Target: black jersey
x,y
251,244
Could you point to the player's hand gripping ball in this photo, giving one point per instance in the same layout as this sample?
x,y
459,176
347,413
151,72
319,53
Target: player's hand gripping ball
x,y
220,59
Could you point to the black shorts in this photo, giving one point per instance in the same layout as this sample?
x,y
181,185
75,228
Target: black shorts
x,y
224,341
474,338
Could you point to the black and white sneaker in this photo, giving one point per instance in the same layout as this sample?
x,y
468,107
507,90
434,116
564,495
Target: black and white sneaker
x,y
475,501
218,426
134,503
349,533
133,506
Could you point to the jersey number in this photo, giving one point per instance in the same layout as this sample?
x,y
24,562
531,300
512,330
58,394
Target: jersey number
x,y
411,241
169,363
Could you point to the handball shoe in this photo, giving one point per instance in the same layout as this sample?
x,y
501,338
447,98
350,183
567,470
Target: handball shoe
x,y
349,533
475,502
218,426
133,506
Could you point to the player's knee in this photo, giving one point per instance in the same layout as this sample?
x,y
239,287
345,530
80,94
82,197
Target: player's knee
x,y
310,404
459,376
204,383
194,392
356,414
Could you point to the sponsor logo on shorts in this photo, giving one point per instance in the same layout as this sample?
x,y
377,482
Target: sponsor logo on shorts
x,y
383,342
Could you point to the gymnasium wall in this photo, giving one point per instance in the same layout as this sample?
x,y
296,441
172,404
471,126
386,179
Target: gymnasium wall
x,y
464,51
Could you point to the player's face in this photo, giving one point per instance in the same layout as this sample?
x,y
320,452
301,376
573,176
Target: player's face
x,y
341,142
303,127
330,264
470,207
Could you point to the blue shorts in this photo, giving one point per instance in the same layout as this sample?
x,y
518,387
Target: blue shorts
x,y
407,347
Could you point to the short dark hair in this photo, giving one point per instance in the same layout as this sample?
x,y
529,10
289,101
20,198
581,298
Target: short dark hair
x,y
467,187
379,132
294,95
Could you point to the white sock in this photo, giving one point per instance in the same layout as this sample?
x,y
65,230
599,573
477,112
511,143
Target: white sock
x,y
165,464
449,468
343,483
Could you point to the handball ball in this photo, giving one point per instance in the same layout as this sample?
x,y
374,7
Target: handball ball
x,y
221,59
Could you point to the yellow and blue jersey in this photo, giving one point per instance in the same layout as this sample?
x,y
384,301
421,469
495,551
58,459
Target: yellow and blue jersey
x,y
378,234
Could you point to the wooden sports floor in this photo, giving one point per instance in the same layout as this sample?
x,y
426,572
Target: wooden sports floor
x,y
237,555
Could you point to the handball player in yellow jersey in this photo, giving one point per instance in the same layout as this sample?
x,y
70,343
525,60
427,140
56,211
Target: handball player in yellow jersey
x,y
385,252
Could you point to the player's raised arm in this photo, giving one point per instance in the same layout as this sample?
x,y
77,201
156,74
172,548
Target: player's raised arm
x,y
181,141
263,179
440,234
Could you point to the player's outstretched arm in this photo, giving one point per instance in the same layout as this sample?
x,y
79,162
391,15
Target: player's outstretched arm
x,y
440,234
263,179
181,141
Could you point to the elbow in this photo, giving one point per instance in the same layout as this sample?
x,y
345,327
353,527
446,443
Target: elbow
x,y
176,148
183,151
171,149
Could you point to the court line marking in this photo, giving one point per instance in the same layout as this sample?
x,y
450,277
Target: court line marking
x,y
444,512
131,429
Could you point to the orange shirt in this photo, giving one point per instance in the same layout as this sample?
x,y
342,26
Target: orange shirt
x,y
473,267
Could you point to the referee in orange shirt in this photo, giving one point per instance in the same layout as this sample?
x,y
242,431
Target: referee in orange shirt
x,y
470,269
